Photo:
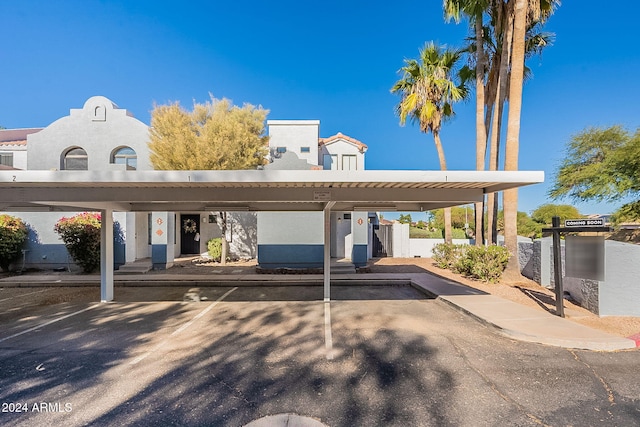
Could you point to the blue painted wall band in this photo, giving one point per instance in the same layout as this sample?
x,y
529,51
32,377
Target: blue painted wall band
x,y
291,256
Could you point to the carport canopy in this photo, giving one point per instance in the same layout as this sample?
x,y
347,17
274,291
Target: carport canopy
x,y
247,190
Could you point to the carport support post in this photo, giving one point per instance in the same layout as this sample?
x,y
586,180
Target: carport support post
x,y
327,251
106,255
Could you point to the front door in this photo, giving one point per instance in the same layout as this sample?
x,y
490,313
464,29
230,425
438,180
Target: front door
x,y
189,234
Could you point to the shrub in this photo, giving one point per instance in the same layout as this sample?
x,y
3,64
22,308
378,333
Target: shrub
x,y
446,254
479,262
489,263
214,247
13,234
81,237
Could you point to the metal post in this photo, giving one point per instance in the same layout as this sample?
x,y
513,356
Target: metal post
x,y
557,266
106,256
327,251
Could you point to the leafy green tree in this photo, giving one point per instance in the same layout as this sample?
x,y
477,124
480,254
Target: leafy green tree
x,y
13,234
404,219
629,212
216,135
527,227
544,213
460,216
428,89
601,164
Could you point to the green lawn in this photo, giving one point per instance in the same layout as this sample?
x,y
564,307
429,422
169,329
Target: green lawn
x,y
419,233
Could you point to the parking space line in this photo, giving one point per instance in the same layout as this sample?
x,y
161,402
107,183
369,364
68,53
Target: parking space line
x,y
181,328
48,323
328,339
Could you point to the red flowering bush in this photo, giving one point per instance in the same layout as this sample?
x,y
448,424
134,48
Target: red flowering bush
x,y
13,234
81,237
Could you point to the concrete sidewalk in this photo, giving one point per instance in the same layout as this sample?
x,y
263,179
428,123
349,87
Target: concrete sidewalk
x,y
511,319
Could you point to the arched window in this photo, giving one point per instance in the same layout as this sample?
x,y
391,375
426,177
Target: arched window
x,y
75,159
125,156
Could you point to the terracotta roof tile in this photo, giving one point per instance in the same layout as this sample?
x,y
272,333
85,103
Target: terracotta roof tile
x,y
338,136
16,136
8,168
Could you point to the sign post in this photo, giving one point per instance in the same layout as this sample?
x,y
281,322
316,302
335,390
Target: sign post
x,y
570,226
557,266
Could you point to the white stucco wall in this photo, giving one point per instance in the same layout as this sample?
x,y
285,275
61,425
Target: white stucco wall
x,y
19,155
341,148
400,243
619,294
99,128
290,228
295,134
424,247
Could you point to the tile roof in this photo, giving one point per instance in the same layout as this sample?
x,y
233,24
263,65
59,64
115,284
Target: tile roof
x,y
16,136
338,136
8,168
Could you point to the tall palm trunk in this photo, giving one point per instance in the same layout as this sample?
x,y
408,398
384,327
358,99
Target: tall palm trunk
x,y
492,199
496,127
481,131
513,132
443,166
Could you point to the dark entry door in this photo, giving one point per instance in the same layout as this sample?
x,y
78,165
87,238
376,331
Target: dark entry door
x,y
189,234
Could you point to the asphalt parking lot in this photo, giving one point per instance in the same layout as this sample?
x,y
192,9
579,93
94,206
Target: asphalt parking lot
x,y
68,359
228,356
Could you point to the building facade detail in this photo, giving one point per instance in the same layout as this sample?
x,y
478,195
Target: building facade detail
x,y
101,136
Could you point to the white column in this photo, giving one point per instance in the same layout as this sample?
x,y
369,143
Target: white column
x,y
106,256
327,250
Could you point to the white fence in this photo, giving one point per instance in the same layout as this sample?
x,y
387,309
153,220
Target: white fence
x,y
405,247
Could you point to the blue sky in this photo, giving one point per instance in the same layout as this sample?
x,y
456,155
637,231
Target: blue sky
x,y
333,60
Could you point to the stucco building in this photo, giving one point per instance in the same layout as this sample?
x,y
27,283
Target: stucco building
x,y
101,136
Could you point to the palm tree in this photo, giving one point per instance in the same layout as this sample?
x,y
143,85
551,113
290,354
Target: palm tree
x,y
510,197
474,10
525,12
428,88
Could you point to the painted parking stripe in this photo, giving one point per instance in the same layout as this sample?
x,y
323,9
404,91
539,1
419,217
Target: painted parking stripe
x,y
328,338
181,328
48,323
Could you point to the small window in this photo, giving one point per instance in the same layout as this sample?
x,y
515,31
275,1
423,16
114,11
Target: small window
x,y
125,156
6,159
75,159
305,149
347,216
349,162
281,150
